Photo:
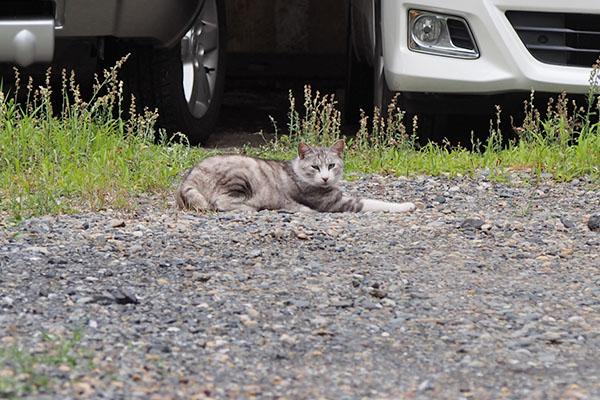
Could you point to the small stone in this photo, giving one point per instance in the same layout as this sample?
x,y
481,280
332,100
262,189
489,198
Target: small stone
x,y
255,253
594,223
425,385
136,248
85,300
553,336
301,235
342,303
287,340
104,300
247,321
124,296
567,223
388,303
439,199
83,389
377,292
38,249
298,303
197,276
64,368
472,223
566,253
486,227
252,312
319,321
117,223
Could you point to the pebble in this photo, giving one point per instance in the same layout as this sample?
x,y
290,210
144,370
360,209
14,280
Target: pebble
x,y
440,200
567,223
472,223
116,223
594,223
286,305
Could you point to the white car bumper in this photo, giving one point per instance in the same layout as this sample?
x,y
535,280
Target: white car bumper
x,y
504,65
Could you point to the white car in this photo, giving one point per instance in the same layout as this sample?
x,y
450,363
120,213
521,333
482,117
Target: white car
x,y
447,57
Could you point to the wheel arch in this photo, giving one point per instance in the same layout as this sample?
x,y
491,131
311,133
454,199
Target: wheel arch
x,y
362,29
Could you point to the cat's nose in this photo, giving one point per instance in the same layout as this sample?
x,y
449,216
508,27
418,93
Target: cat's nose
x,y
325,178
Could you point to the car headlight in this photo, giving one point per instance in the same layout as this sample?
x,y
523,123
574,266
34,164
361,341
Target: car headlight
x,y
445,35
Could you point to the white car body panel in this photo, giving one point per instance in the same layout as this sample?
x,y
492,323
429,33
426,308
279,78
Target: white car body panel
x,y
505,64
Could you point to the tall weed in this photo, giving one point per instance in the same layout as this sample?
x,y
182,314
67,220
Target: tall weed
x,y
88,155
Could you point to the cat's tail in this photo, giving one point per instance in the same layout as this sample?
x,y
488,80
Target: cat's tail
x,y
189,198
377,205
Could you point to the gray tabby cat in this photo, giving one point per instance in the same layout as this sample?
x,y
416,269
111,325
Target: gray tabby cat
x,y
307,183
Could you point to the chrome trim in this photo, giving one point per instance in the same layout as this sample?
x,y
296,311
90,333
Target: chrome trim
x,y
59,14
443,46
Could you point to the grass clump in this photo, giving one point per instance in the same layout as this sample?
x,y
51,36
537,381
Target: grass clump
x,y
565,141
24,371
88,155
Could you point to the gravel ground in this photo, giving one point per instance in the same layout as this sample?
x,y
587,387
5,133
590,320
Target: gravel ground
x,y
491,290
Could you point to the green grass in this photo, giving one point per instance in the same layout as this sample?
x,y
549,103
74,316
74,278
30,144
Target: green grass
x,y
87,156
93,155
564,142
23,371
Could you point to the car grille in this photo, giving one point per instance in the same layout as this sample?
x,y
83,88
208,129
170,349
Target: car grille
x,y
559,38
460,34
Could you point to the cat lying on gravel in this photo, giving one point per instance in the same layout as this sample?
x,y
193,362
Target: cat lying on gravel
x,y
308,183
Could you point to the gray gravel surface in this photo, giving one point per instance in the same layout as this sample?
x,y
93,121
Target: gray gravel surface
x,y
490,290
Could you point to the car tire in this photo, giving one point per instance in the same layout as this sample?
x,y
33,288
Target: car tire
x,y
367,88
359,86
382,95
186,82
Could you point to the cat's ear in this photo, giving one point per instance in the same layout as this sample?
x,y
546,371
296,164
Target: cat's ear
x,y
338,147
303,150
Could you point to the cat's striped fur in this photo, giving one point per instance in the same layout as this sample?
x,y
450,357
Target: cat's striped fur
x,y
307,183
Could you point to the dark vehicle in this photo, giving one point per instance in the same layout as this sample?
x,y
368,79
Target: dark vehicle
x,y
176,46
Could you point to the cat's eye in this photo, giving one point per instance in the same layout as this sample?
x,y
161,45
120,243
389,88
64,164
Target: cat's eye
x,y
331,166
316,167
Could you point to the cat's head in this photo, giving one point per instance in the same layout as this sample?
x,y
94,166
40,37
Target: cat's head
x,y
320,166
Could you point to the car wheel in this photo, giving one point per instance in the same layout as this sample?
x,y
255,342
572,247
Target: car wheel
x,y
382,95
366,86
359,86
185,83
365,82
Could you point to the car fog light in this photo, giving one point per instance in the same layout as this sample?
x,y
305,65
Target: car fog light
x,y
427,28
440,34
